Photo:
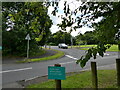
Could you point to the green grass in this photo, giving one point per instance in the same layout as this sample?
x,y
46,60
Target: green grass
x,y
32,54
57,55
112,48
40,52
88,45
106,79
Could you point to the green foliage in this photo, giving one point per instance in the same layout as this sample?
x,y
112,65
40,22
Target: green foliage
x,y
88,37
61,37
22,18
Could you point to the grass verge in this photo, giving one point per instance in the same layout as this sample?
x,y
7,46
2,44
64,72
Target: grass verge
x,y
88,45
40,52
57,55
112,48
106,79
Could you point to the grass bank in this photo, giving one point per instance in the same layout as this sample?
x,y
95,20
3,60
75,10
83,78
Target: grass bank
x,y
112,48
57,55
18,55
106,79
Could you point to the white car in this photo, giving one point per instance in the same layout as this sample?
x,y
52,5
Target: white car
x,y
62,45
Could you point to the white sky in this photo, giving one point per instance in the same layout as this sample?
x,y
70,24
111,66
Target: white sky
x,y
57,20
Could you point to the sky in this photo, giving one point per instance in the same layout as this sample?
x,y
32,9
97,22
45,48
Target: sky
x,y
73,4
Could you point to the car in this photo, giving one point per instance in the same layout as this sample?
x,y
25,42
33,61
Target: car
x,y
62,45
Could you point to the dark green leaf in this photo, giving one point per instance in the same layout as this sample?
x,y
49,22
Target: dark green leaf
x,y
82,63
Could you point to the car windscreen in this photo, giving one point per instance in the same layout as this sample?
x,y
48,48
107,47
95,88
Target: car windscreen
x,y
63,44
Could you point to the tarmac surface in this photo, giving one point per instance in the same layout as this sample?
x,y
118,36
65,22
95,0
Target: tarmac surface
x,y
24,83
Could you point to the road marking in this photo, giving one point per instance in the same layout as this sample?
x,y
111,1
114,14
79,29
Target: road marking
x,y
16,70
31,78
67,62
105,54
70,61
71,57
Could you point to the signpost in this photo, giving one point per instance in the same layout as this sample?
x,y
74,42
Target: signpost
x,y
28,38
58,73
55,72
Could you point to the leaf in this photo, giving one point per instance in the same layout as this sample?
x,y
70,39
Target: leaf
x,y
54,13
68,10
65,7
88,56
12,19
78,61
56,3
82,63
53,3
101,53
10,15
94,53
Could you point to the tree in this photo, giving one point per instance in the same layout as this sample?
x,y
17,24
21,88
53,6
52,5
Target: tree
x,y
90,37
79,39
89,12
61,37
21,18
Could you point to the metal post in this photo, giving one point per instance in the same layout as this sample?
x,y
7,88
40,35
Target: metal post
x,y
28,49
28,38
58,82
94,75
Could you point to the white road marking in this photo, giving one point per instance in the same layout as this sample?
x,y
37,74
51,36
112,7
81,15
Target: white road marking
x,y
16,70
71,57
31,78
70,61
67,62
106,54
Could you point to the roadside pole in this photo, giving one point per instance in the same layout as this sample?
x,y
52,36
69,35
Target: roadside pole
x,y
118,66
94,75
28,38
117,37
58,82
28,49
118,71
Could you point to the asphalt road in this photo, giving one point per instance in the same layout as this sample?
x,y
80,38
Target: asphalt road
x,y
15,72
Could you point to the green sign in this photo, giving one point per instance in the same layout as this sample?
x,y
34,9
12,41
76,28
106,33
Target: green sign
x,y
57,73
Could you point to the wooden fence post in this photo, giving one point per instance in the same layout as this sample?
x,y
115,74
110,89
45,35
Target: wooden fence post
x,y
58,82
94,75
118,71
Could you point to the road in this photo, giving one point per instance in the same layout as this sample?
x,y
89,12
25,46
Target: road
x,y
15,72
